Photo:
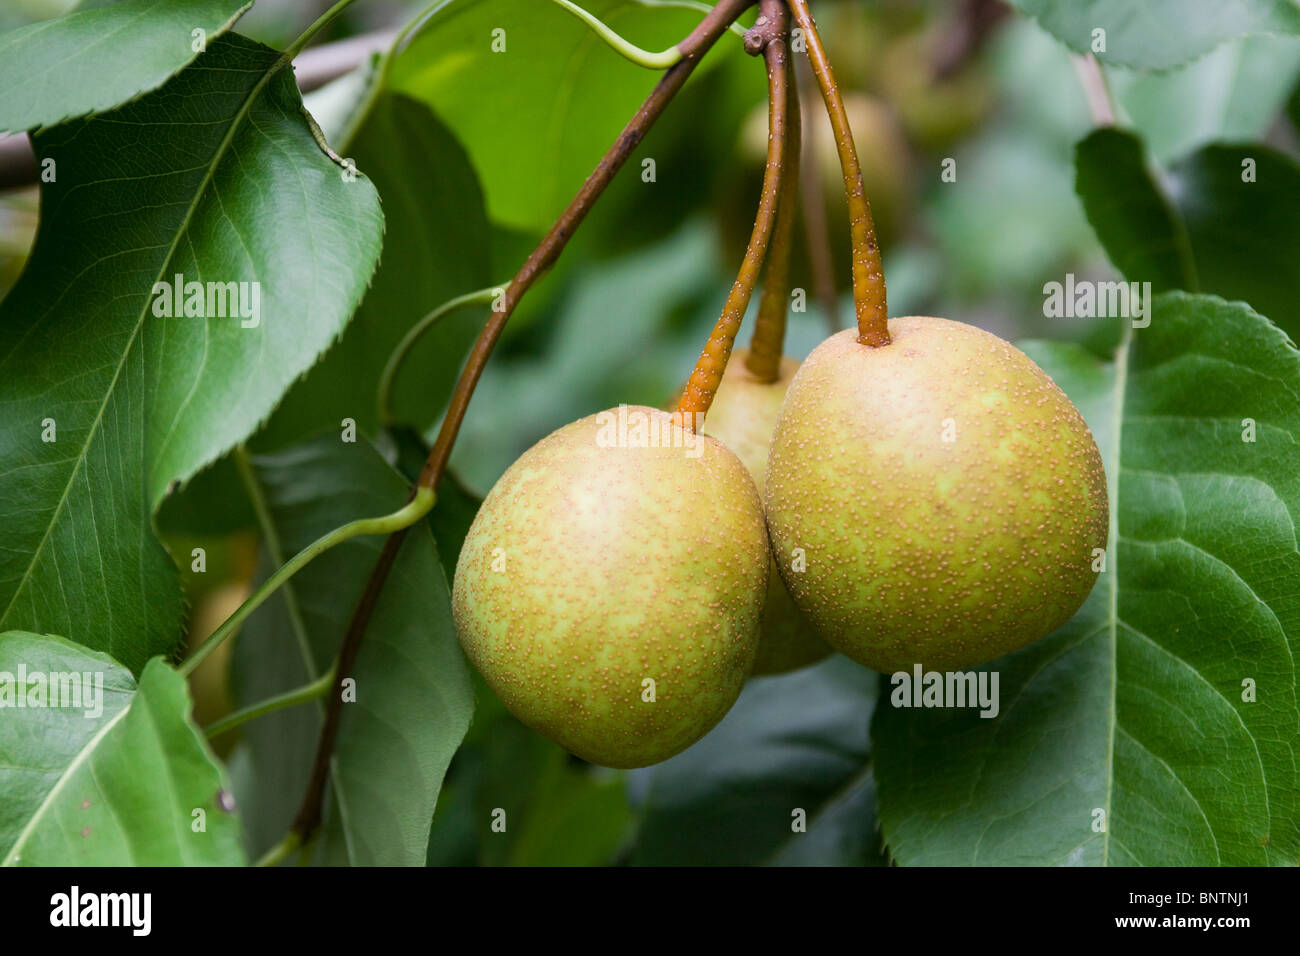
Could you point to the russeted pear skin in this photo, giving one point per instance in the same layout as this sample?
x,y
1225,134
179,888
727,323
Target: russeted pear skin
x,y
610,594
743,417
949,498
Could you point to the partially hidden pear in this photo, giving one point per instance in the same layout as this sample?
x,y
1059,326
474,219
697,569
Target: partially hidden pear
x,y
743,417
948,497
611,585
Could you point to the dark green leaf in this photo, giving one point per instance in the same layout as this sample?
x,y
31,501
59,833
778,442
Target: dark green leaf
x,y
214,177
1159,34
514,798
116,776
90,60
436,246
793,742
1228,233
213,502
1159,726
1143,236
1245,235
578,816
413,692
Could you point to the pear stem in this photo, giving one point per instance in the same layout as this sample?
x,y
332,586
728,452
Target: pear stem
x,y
769,35
868,274
768,343
696,44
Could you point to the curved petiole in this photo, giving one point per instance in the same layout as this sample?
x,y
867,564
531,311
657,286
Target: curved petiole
x,y
415,509
394,363
291,698
629,51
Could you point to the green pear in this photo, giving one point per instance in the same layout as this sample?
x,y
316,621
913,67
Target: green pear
x,y
743,417
945,500
610,588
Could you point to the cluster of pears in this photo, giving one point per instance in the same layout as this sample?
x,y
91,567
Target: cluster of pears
x,y
937,500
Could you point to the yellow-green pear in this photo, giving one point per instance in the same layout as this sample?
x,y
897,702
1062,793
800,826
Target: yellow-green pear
x,y
948,501
743,417
611,586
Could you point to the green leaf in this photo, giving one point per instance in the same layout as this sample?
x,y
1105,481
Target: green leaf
x,y
215,177
556,810
90,60
436,247
115,776
1144,237
578,816
413,693
1245,235
792,742
559,95
1218,233
1234,93
213,502
1159,727
1159,34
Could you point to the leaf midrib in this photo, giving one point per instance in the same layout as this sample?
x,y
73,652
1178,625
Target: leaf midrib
x,y
91,433
83,755
275,551
1117,427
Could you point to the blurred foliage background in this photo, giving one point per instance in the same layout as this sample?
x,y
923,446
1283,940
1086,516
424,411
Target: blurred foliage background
x,y
623,315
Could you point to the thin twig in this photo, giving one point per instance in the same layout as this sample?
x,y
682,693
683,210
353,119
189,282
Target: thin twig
x,y
1095,90
768,342
698,394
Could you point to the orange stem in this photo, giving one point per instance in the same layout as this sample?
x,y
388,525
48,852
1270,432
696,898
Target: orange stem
x,y
868,274
768,343
769,35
